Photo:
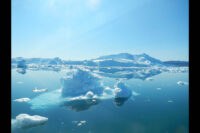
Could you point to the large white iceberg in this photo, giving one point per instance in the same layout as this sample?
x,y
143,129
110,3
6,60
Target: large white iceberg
x,y
79,81
26,121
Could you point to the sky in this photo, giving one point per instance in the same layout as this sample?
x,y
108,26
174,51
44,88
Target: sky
x,y
86,29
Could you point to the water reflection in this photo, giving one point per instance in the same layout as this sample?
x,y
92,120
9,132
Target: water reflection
x,y
120,101
78,105
128,73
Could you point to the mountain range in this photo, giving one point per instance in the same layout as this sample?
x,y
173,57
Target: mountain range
x,y
115,60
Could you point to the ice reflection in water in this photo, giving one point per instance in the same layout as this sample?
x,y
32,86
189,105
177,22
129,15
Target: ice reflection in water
x,y
80,104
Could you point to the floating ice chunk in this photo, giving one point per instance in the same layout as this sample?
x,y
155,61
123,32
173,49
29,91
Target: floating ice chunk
x,y
26,121
158,89
170,101
22,100
40,90
182,83
81,123
59,90
149,79
122,91
79,82
19,82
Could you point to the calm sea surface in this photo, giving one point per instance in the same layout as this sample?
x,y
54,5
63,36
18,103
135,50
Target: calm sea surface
x,y
164,110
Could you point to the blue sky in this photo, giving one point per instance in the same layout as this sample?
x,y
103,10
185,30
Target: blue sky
x,y
85,29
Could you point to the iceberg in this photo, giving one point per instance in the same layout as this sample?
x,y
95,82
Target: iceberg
x,y
122,93
25,121
81,123
79,81
22,100
149,79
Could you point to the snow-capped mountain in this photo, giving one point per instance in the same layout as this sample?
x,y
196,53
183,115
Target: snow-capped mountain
x,y
128,60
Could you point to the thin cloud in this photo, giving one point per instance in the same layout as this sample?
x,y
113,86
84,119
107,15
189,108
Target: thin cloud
x,y
93,4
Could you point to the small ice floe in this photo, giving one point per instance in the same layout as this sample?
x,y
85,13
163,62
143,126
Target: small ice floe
x,y
25,121
158,89
149,79
19,82
182,83
135,93
22,100
170,101
40,90
59,90
79,123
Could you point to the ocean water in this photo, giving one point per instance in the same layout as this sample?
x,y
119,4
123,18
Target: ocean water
x,y
153,110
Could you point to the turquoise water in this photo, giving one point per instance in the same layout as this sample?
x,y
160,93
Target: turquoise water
x,y
164,110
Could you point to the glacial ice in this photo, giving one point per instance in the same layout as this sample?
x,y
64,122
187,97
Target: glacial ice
x,y
81,89
25,121
79,82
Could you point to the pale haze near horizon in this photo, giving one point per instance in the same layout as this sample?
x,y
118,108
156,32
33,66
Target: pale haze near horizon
x,y
86,29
